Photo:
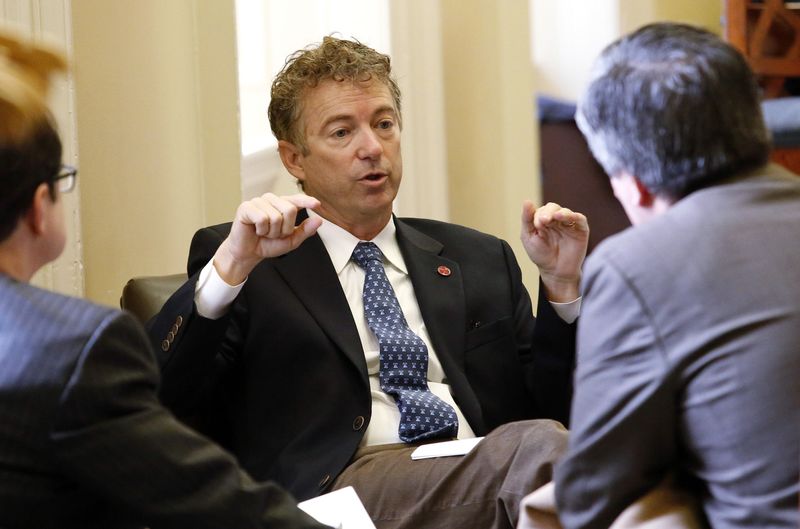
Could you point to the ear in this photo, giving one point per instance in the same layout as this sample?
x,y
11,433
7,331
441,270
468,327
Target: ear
x,y
292,158
645,197
629,190
36,217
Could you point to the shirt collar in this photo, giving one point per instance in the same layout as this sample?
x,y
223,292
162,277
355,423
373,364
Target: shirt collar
x,y
340,244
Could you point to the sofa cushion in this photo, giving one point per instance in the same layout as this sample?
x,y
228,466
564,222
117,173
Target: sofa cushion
x,y
782,116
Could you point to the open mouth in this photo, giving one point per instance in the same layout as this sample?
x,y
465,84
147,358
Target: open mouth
x,y
374,177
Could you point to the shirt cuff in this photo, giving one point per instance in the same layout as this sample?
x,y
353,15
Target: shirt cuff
x,y
569,311
212,295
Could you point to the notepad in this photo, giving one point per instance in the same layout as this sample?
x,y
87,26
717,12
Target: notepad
x,y
459,447
341,509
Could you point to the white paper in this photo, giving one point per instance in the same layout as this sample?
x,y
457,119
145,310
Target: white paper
x,y
459,447
341,509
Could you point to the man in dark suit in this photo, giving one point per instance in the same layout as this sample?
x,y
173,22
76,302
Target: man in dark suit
x,y
84,442
288,371
689,341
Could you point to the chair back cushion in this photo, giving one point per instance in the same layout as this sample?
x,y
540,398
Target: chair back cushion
x,y
144,296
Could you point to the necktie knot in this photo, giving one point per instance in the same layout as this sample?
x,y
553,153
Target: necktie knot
x,y
366,252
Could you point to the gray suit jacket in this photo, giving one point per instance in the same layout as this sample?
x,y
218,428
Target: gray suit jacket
x,y
689,360
85,443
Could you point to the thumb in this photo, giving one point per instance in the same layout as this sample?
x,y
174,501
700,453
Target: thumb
x,y
528,212
306,229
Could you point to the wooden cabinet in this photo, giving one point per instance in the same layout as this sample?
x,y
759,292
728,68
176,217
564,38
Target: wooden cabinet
x,y
767,32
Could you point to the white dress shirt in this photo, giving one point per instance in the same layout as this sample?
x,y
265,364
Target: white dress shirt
x,y
213,297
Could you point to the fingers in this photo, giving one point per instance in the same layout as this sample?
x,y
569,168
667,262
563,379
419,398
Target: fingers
x,y
301,232
274,217
306,229
554,216
528,212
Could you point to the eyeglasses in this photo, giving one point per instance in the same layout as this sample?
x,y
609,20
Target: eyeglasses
x,y
65,179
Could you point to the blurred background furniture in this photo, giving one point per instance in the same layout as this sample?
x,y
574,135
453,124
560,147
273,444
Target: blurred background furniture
x,y
573,178
782,116
570,174
144,296
767,32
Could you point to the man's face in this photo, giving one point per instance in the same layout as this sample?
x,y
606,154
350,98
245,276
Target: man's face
x,y
353,163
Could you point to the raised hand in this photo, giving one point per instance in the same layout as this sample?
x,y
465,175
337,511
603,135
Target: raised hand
x,y
556,239
263,227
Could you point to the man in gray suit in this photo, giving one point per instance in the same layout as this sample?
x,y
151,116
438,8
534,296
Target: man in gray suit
x,y
84,441
689,340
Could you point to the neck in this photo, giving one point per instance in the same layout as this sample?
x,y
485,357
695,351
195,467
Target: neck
x,y
15,268
17,259
364,230
657,207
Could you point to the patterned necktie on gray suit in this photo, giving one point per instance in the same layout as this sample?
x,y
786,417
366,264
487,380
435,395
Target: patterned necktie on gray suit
x,y
403,370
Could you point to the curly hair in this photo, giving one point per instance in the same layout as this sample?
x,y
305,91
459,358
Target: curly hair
x,y
334,59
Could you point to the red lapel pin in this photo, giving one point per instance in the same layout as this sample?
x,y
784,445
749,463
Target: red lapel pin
x,y
444,271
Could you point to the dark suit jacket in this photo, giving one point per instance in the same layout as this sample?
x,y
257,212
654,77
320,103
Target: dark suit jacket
x,y
282,380
84,442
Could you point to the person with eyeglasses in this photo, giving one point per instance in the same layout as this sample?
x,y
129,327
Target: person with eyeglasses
x,y
84,441
66,178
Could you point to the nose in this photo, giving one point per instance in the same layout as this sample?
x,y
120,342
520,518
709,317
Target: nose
x,y
370,146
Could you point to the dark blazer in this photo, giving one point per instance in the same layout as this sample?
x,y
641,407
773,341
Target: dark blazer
x,y
84,442
282,381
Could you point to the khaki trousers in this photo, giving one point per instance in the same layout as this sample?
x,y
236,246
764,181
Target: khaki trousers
x,y
481,490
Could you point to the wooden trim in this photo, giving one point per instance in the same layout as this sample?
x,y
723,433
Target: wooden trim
x,y
789,158
748,28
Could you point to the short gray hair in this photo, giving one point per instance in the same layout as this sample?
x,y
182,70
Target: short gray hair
x,y
675,106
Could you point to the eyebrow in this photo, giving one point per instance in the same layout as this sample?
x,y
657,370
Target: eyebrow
x,y
345,117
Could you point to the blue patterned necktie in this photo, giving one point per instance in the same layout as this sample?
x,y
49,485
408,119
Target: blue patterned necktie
x,y
403,356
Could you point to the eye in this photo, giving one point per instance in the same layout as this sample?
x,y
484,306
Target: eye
x,y
385,124
339,133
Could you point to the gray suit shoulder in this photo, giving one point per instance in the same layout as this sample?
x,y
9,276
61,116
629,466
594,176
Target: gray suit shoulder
x,y
712,217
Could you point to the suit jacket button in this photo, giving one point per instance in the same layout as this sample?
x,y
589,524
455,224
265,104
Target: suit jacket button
x,y
165,345
358,423
324,481
179,321
174,329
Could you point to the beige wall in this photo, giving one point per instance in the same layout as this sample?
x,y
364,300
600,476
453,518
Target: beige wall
x,y
566,37
568,34
489,116
157,132
706,13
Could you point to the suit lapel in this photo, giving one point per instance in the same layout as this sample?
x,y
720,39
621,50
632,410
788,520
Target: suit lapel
x,y
309,273
442,303
438,286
